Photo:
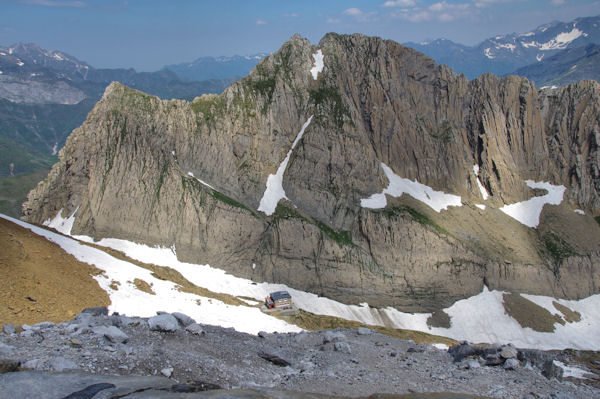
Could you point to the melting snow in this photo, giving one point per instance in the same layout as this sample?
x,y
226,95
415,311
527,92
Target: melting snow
x,y
480,318
437,200
488,53
528,212
579,211
130,301
201,181
318,57
508,46
482,189
274,191
562,40
570,371
60,224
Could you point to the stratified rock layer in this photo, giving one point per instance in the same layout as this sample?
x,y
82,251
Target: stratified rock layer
x,y
131,172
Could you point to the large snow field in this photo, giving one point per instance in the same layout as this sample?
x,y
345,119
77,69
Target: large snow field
x,y
480,318
437,200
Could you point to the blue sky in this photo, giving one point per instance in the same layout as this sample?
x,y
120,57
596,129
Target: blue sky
x,y
147,34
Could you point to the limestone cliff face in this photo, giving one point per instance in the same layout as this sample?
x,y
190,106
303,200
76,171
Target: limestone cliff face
x,y
132,169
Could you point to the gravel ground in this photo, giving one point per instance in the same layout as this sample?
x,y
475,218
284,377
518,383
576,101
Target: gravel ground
x,y
341,362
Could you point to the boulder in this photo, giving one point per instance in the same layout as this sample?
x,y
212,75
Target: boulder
x,y
96,311
340,346
274,358
183,319
112,333
463,350
195,329
163,323
364,331
511,364
9,365
333,336
59,364
551,370
509,352
43,325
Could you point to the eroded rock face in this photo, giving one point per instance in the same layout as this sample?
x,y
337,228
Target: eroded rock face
x,y
131,172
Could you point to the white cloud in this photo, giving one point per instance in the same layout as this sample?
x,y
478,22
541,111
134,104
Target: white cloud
x,y
261,22
399,3
353,11
333,21
53,3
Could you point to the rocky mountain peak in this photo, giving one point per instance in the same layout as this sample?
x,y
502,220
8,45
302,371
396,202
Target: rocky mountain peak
x,y
391,179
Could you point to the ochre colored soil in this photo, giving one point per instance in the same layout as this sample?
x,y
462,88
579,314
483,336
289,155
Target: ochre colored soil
x,y
41,282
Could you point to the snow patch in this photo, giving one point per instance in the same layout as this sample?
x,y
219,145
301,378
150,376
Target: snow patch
x,y
480,206
482,189
55,149
573,372
130,301
488,53
437,200
200,181
318,57
60,224
579,211
2,53
540,57
528,212
527,34
20,63
508,46
58,57
480,318
561,41
530,44
274,191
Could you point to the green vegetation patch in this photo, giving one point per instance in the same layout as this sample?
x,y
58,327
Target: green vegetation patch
x,y
209,105
415,215
558,248
329,100
529,314
230,201
14,190
342,237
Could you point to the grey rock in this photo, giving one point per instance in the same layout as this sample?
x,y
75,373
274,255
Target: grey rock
x,y
511,364
5,349
551,370
9,365
195,329
343,347
274,358
164,323
364,331
9,329
26,327
96,311
167,372
43,325
263,334
509,352
33,364
333,336
183,319
112,333
463,350
59,364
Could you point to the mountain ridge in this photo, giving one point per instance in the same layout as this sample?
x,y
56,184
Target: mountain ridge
x,y
196,172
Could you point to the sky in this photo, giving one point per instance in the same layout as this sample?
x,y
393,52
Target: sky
x,y
148,34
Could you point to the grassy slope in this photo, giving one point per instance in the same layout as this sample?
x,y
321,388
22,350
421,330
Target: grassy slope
x,y
14,189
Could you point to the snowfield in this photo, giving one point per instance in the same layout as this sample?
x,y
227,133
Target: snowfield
x,y
528,212
481,318
437,200
274,191
318,57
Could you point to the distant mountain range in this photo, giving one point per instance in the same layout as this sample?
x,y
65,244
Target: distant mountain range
x,y
45,94
502,55
205,68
